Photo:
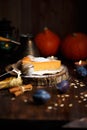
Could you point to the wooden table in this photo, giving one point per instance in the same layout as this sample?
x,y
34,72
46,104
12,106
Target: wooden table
x,y
59,110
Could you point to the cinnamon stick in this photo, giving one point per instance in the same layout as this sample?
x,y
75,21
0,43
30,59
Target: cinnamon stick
x,y
26,87
17,90
17,93
14,89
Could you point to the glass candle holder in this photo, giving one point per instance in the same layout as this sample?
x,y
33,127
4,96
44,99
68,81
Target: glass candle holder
x,y
81,63
81,68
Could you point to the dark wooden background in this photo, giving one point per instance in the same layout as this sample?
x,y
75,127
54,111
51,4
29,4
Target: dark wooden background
x,y
31,16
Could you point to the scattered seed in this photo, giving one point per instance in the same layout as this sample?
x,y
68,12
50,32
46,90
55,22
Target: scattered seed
x,y
84,99
61,105
81,97
58,95
25,100
76,96
77,83
13,98
81,93
82,85
67,95
62,96
72,84
75,86
55,104
76,80
49,107
85,95
79,101
63,99
70,105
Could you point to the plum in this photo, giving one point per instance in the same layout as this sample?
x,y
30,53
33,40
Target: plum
x,y
41,96
63,86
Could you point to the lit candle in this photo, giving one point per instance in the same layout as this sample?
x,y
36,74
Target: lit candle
x,y
81,68
81,63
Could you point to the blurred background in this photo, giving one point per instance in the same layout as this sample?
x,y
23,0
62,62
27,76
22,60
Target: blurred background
x,y
21,17
30,16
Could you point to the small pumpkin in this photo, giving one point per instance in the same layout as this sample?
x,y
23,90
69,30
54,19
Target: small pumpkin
x,y
47,42
74,46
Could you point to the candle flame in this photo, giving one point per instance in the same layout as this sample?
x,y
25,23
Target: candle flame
x,y
80,62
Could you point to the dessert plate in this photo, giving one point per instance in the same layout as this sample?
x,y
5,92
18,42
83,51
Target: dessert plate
x,y
41,77
47,79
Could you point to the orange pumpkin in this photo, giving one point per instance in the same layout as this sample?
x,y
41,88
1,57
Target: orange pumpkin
x,y
74,46
47,42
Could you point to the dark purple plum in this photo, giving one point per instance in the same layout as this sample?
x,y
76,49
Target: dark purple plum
x,y
63,86
41,96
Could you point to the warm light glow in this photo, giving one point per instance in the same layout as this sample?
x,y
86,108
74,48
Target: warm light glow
x,y
52,57
80,62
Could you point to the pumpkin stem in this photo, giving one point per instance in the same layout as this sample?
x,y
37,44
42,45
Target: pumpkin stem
x,y
74,34
45,28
